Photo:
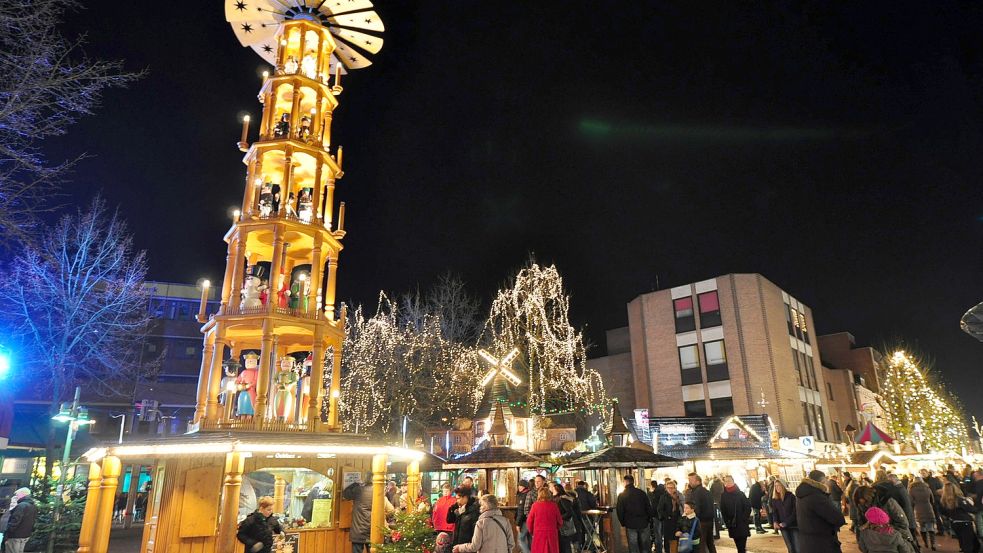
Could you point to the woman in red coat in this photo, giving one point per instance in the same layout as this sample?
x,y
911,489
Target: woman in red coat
x,y
544,521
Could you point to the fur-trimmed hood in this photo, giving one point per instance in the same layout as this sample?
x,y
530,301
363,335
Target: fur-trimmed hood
x,y
808,487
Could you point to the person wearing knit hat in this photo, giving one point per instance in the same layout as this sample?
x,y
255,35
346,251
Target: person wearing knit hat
x,y
877,536
21,523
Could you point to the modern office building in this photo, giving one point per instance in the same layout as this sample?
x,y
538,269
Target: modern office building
x,y
734,344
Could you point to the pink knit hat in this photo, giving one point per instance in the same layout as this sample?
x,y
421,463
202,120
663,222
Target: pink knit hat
x,y
877,516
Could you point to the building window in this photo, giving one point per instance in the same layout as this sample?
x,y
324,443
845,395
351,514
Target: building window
x,y
829,393
806,419
813,383
685,321
189,351
691,376
722,406
836,431
689,358
798,368
716,361
788,320
696,408
709,309
689,364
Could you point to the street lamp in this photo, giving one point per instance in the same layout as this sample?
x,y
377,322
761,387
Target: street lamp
x,y
122,424
76,416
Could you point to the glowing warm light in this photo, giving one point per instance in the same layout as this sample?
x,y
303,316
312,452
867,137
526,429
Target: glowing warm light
x,y
266,74
177,448
245,118
236,213
205,283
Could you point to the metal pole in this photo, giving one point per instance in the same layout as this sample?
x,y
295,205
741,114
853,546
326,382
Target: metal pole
x,y
65,457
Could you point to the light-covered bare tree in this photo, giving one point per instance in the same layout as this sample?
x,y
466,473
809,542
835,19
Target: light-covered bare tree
x,y
532,314
397,365
75,306
48,83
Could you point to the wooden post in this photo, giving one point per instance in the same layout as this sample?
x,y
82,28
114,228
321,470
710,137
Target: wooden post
x,y
378,501
412,484
91,509
316,381
215,373
206,358
263,381
335,389
227,526
329,296
107,499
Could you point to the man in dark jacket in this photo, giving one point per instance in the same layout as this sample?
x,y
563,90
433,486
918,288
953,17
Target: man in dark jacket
x,y
20,526
522,511
586,499
634,512
256,530
818,519
755,494
716,490
361,497
520,514
464,516
655,493
705,510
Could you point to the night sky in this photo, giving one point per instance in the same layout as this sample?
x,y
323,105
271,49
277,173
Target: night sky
x,y
837,150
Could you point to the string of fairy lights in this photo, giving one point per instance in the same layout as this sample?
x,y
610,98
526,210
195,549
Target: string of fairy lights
x,y
920,411
395,366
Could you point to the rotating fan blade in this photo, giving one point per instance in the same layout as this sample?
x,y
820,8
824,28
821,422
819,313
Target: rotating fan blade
x,y
510,376
489,358
267,51
249,10
369,43
254,32
509,357
350,58
370,21
488,378
343,6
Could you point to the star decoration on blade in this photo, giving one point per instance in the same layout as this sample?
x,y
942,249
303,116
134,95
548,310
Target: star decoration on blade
x,y
355,27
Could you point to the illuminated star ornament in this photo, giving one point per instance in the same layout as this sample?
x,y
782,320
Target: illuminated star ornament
x,y
501,367
353,23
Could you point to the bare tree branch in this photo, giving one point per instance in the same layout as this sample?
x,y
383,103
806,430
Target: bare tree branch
x,y
48,84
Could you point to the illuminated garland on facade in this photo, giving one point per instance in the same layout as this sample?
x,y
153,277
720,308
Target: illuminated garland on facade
x,y
920,411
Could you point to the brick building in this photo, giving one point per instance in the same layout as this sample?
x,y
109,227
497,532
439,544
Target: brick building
x,y
734,344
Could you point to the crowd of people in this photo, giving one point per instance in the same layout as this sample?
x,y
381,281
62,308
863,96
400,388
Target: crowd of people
x,y
891,513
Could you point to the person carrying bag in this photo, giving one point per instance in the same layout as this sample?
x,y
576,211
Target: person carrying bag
x,y
689,530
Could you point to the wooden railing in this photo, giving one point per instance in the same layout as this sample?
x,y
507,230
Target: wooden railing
x,y
256,425
310,313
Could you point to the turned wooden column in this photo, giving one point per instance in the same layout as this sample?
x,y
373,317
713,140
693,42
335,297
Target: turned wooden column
x,y
107,500
378,501
231,485
91,509
206,359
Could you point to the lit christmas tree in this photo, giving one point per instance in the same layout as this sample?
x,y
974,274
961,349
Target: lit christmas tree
x,y
920,411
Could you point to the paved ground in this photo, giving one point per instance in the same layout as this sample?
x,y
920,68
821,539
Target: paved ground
x,y
126,540
771,543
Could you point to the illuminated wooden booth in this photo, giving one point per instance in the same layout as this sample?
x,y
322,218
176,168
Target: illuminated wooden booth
x,y
205,483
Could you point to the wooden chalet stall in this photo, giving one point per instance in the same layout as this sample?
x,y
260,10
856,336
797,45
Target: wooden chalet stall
x,y
205,483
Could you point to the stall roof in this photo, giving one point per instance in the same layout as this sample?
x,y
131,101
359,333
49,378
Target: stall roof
x,y
494,457
622,457
211,442
728,438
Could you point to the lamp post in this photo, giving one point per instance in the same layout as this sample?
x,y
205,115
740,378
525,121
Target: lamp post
x,y
122,424
76,416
